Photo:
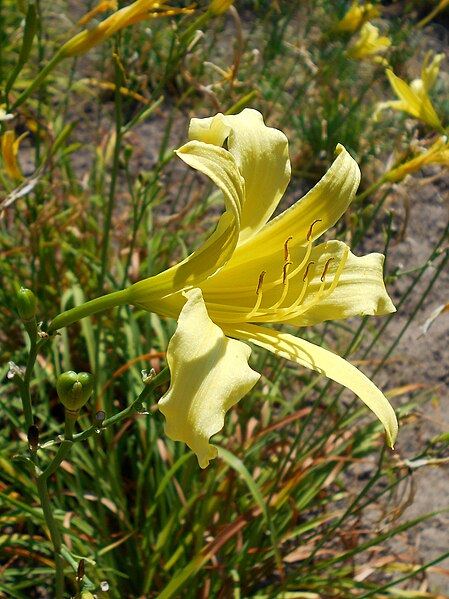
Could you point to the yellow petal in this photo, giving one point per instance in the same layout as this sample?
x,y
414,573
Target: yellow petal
x,y
209,374
325,362
356,16
438,153
368,43
219,165
417,105
327,201
261,154
430,70
360,290
10,149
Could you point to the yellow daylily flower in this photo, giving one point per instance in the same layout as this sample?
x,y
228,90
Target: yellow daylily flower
x,y
356,16
128,15
438,153
10,148
369,43
92,36
253,271
100,8
414,98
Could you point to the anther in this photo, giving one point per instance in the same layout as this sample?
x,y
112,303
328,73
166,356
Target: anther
x,y
260,283
306,274
326,266
259,294
286,250
284,272
309,234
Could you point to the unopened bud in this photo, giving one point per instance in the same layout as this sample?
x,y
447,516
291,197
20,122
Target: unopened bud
x,y
26,304
74,389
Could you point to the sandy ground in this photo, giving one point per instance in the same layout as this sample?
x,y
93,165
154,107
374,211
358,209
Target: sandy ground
x,y
424,359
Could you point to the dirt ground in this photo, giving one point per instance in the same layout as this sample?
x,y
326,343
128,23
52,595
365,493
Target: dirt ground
x,y
424,360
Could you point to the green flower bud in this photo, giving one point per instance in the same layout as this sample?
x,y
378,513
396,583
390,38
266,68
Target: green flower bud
x,y
74,389
129,150
26,304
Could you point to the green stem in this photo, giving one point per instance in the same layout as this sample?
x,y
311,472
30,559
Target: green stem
x,y
361,196
63,450
39,79
99,304
162,378
115,165
25,386
73,562
54,534
187,35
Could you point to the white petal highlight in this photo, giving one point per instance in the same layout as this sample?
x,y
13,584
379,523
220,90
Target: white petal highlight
x,y
209,374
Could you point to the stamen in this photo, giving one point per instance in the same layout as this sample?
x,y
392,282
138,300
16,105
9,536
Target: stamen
x,y
296,310
284,272
259,294
285,289
306,257
286,250
326,266
338,271
300,297
260,283
306,274
309,234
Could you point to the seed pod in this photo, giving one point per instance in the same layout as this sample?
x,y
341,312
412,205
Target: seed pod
x,y
26,304
74,389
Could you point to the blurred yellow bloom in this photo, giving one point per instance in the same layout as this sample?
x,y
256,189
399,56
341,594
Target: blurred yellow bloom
x,y
254,271
369,43
438,153
414,98
100,8
218,7
10,149
129,15
357,16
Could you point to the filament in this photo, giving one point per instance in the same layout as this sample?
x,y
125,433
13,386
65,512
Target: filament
x,y
278,311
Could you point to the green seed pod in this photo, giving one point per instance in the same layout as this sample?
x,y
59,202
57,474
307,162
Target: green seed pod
x,y
74,389
26,304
